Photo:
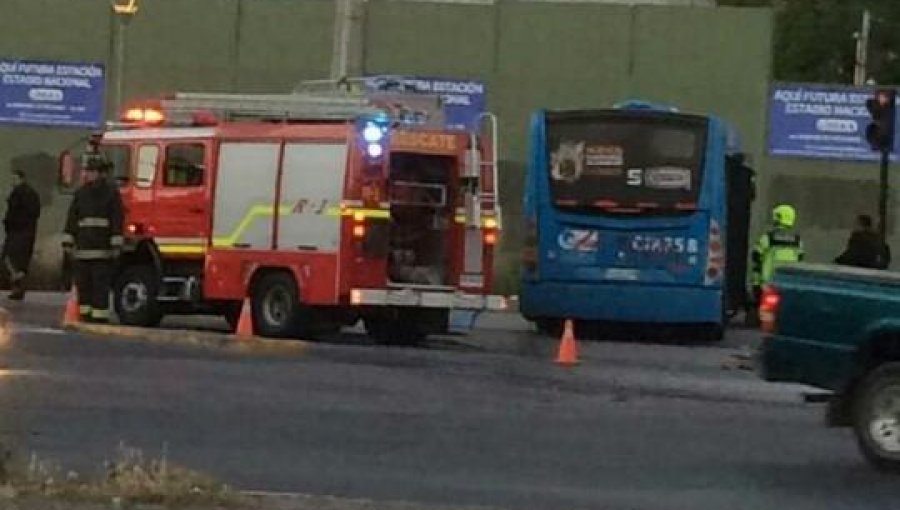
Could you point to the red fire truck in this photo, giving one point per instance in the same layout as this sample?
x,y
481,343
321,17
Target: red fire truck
x,y
321,209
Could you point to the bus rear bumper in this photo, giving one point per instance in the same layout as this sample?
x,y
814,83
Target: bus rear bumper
x,y
427,299
615,302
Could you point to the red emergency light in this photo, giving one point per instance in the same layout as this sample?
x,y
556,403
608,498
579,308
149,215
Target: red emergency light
x,y
143,115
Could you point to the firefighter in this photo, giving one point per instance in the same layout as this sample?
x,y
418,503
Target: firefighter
x,y
777,247
93,235
22,212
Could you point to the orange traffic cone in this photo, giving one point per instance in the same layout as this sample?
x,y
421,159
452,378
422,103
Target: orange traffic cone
x,y
245,322
568,348
72,315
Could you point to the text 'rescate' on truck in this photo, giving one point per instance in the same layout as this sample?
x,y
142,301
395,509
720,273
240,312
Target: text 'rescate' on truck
x,y
636,214
320,208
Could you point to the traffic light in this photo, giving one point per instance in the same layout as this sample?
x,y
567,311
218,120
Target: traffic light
x,y
880,132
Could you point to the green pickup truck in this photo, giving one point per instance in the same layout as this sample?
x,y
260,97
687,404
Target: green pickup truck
x,y
838,329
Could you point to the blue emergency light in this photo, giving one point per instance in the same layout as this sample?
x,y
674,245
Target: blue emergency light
x,y
373,134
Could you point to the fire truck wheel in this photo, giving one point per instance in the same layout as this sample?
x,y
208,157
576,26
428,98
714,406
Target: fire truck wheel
x,y
135,297
276,307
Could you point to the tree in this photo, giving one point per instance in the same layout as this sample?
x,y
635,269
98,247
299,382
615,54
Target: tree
x,y
814,39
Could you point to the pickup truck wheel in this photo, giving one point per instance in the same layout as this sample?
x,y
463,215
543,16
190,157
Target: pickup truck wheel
x,y
876,417
134,295
276,306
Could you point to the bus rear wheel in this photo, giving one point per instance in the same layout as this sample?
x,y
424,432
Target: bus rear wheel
x,y
549,327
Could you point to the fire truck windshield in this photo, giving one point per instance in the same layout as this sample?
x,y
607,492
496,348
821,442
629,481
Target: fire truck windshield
x,y
120,157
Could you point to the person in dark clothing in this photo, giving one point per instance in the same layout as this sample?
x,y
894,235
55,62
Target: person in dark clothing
x,y
865,248
93,234
23,208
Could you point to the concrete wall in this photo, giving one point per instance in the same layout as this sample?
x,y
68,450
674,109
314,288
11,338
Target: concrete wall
x,y
535,54
531,54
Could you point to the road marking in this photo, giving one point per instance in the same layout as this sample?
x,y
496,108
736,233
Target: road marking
x,y
40,330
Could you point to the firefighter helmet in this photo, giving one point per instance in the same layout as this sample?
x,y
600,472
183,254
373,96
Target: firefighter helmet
x,y
784,216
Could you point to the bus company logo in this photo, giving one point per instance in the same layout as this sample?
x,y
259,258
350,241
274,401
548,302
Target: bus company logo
x,y
668,177
567,162
579,240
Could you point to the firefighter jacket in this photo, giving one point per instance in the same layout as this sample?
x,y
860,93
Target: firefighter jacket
x,y
775,248
94,223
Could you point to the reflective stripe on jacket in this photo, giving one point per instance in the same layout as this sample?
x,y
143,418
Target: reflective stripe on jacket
x,y
775,248
94,222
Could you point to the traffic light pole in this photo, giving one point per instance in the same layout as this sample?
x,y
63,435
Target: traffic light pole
x,y
883,192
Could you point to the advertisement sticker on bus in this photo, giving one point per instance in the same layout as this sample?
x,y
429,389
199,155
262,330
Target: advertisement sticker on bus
x,y
567,162
580,240
605,155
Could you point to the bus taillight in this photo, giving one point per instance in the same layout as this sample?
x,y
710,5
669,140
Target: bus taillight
x,y
715,257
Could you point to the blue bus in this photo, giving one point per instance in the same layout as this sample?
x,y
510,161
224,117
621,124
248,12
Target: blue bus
x,y
635,214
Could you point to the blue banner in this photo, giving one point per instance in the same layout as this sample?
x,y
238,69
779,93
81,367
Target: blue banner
x,y
464,100
820,121
57,94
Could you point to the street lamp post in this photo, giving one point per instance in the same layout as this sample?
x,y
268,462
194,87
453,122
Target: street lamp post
x,y
123,13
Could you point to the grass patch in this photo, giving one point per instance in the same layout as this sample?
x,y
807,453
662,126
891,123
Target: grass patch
x,y
131,478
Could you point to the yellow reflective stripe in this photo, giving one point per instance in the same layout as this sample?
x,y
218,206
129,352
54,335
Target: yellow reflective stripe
x,y
261,211
84,309
115,240
182,249
93,222
255,212
68,239
181,240
367,213
99,314
486,222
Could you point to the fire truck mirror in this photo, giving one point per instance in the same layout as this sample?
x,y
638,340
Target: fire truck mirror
x,y
67,173
376,244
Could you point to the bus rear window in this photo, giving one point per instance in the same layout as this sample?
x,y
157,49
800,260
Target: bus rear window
x,y
621,161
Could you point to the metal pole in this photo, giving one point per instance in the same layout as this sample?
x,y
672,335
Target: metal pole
x,y
341,47
862,49
120,64
883,192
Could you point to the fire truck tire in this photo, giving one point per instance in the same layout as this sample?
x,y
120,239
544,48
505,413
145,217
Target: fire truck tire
x,y
135,294
276,306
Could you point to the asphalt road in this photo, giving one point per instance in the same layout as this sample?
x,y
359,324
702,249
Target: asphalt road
x,y
483,420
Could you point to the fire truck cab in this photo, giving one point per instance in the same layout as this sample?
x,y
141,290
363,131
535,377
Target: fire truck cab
x,y
320,209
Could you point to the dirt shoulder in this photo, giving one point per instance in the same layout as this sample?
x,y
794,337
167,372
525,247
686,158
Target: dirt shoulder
x,y
268,502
